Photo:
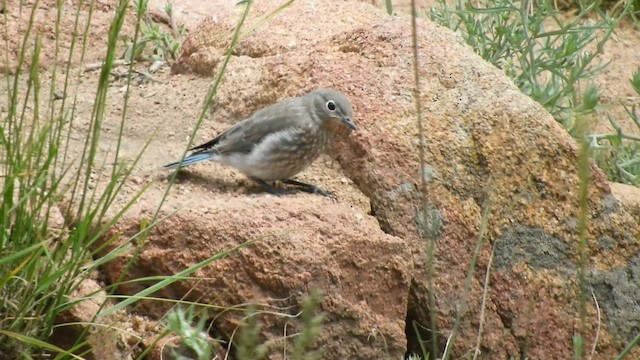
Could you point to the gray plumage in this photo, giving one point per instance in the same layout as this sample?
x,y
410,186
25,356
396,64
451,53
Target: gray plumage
x,y
281,140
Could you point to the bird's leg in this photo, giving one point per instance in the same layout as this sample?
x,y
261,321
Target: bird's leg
x,y
306,187
269,188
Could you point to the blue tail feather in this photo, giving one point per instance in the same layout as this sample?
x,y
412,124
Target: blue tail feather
x,y
190,160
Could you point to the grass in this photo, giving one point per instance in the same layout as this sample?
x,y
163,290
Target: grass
x,y
42,265
155,43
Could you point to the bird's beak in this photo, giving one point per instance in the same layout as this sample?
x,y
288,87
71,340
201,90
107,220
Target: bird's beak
x,y
349,123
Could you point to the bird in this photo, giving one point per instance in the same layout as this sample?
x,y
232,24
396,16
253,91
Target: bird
x,y
281,140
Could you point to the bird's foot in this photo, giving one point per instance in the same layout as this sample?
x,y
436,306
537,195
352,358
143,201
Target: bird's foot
x,y
302,186
270,188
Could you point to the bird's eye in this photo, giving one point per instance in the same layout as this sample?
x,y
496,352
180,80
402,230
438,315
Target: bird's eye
x,y
331,105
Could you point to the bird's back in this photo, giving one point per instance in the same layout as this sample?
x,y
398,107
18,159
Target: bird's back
x,y
243,136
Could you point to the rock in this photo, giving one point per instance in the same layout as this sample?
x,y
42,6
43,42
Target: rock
x,y
628,196
299,243
486,144
104,341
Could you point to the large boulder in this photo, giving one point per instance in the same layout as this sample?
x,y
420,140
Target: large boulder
x,y
299,243
486,146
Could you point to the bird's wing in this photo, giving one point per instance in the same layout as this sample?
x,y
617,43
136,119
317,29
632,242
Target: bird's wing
x,y
243,136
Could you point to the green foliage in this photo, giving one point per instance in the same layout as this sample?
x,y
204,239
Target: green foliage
x,y
635,81
578,347
41,266
618,153
193,337
550,59
246,341
248,344
635,342
311,327
389,6
162,45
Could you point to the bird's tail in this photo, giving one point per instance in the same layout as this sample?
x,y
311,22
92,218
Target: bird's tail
x,y
190,160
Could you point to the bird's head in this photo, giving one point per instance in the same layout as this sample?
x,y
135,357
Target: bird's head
x,y
333,108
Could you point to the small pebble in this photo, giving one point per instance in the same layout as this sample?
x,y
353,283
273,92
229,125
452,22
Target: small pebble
x,y
137,180
58,95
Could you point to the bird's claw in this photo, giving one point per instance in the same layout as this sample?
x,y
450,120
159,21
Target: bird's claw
x,y
301,186
319,191
312,189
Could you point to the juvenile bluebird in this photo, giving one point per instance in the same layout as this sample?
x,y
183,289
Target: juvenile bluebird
x,y
281,140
